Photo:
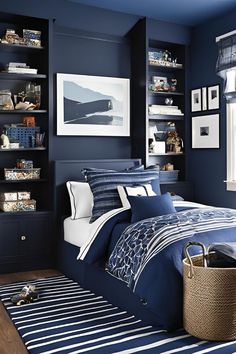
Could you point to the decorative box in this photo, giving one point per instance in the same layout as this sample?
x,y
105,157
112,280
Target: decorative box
x,y
23,195
8,196
14,196
22,134
159,147
15,174
31,34
169,176
18,205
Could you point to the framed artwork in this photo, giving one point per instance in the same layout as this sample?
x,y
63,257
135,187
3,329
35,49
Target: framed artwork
x,y
93,105
196,100
205,132
204,98
213,97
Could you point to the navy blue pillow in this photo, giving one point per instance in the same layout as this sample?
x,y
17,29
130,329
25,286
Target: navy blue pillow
x,y
104,187
148,207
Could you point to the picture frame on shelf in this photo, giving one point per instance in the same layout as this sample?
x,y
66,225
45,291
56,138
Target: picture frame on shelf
x,y
204,98
155,79
213,95
205,132
196,100
93,105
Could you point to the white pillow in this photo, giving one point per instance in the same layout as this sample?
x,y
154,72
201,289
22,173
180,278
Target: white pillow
x,y
81,199
124,191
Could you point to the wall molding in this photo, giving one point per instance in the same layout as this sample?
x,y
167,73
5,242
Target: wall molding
x,y
94,36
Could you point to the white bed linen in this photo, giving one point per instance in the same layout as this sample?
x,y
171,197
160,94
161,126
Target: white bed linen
x,y
82,234
76,231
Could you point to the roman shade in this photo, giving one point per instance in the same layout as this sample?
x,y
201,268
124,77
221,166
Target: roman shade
x,y
226,64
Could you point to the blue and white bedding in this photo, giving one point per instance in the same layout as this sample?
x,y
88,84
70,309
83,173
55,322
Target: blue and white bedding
x,y
148,256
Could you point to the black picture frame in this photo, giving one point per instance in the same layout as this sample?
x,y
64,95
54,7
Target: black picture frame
x,y
196,100
204,98
213,97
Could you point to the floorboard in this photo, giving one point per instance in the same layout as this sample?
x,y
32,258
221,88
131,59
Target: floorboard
x,y
10,341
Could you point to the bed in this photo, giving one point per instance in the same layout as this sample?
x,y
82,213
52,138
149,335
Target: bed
x,y
142,275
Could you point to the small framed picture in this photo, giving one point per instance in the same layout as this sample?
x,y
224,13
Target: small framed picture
x,y
204,98
155,79
205,132
196,100
213,97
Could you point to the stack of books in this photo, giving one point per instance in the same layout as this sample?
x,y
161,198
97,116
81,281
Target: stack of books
x,y
164,109
20,68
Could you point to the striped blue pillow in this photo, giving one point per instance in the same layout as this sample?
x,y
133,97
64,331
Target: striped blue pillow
x,y
104,187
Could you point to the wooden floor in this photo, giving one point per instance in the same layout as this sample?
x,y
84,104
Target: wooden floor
x,y
10,341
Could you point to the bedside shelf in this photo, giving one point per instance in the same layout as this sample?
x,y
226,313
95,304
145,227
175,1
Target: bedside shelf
x,y
19,111
167,117
39,212
154,68
166,154
24,149
165,93
17,76
4,181
19,47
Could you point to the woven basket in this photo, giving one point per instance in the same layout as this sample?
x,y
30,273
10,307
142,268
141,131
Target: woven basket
x,y
209,309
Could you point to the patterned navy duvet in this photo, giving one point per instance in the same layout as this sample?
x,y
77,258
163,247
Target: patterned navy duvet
x,y
148,256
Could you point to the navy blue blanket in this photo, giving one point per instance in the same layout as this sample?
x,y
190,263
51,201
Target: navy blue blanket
x,y
148,256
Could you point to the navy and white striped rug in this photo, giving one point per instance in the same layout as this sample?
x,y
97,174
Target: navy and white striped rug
x,y
68,319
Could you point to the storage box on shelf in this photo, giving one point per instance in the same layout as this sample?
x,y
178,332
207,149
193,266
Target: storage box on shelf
x,y
18,205
16,174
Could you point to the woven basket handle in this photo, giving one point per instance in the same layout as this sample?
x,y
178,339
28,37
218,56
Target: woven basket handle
x,y
204,253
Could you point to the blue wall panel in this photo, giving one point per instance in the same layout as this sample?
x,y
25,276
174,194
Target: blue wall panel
x,y
78,53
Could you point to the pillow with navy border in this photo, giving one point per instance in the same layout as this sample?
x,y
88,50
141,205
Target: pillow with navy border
x,y
104,187
149,207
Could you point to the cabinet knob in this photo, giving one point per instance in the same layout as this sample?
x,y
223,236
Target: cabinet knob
x,y
23,237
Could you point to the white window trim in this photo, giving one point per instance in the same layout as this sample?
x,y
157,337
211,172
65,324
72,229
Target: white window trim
x,y
231,146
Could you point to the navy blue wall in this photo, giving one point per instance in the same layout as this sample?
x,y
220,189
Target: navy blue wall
x,y
207,167
91,41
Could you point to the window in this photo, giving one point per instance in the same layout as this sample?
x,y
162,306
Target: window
x,y
226,68
231,147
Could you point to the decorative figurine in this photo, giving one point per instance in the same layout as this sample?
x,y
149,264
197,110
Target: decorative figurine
x,y
169,101
173,142
5,141
173,85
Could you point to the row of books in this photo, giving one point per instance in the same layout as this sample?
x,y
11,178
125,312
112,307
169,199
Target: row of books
x,y
20,68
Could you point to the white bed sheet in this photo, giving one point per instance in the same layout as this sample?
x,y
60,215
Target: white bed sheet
x,y
81,233
76,231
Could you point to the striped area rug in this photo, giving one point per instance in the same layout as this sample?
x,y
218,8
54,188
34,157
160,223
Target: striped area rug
x,y
68,319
